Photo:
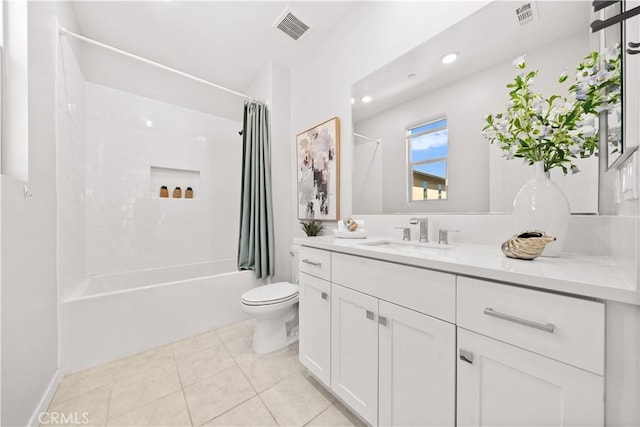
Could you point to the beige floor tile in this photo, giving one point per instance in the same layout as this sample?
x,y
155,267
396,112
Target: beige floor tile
x,y
138,363
142,389
265,370
336,415
296,400
196,343
170,410
236,330
251,413
89,409
217,394
199,365
240,348
82,382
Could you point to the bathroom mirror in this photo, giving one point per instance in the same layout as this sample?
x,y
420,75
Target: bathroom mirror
x,y
612,119
417,89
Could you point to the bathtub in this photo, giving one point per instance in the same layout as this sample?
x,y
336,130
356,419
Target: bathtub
x,y
116,315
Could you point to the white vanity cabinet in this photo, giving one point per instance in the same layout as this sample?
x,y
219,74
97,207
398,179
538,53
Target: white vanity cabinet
x,y
315,313
503,385
315,326
405,345
354,350
393,365
417,367
527,357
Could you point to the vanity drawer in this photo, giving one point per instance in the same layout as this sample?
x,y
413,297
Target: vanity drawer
x,y
426,291
315,262
564,328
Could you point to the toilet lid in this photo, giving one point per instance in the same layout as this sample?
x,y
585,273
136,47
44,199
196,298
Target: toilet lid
x,y
270,294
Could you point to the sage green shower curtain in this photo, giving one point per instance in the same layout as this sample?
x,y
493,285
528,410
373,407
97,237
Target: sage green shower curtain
x,y
256,246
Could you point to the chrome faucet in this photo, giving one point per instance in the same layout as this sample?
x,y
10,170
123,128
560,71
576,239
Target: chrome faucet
x,y
443,236
424,228
406,233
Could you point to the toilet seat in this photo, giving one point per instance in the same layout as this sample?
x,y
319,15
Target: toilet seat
x,y
274,293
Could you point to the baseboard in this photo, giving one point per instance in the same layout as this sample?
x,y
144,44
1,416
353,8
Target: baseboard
x,y
46,399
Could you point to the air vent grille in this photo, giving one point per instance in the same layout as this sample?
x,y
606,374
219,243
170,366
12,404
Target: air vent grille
x,y
292,26
526,13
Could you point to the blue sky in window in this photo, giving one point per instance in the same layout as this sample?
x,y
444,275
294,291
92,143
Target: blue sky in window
x,y
431,145
437,169
428,126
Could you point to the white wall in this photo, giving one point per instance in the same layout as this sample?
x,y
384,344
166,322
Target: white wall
x,y
29,295
476,183
129,227
370,36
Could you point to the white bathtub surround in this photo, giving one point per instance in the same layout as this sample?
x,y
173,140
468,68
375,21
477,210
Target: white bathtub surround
x,y
70,170
113,316
128,227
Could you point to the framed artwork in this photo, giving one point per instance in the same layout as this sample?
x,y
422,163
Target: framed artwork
x,y
318,164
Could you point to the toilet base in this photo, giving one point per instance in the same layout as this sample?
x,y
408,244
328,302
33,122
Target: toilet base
x,y
270,334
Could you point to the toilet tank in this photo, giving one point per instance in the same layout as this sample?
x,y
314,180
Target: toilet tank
x,y
295,268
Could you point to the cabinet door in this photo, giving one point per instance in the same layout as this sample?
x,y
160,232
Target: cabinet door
x,y
354,350
315,326
503,385
417,368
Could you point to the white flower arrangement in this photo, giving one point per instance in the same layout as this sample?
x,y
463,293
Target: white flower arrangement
x,y
557,130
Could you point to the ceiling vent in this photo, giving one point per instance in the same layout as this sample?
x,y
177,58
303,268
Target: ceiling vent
x,y
526,13
291,25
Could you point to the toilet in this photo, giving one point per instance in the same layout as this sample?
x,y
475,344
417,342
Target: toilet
x,y
275,309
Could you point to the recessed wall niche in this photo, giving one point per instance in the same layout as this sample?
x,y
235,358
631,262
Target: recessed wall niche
x,y
172,178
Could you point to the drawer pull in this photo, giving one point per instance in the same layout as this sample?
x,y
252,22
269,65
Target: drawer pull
x,y
547,327
308,261
370,315
325,295
382,320
466,356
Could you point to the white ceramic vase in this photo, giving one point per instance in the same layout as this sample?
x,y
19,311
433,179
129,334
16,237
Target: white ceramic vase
x,y
541,205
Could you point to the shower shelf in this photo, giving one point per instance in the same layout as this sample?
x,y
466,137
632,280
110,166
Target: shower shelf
x,y
172,178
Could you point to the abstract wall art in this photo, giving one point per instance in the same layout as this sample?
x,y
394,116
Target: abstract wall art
x,y
319,171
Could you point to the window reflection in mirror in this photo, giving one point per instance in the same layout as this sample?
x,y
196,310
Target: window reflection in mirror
x,y
428,146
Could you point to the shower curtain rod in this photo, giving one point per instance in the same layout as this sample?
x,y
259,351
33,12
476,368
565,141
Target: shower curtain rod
x,y
64,32
377,141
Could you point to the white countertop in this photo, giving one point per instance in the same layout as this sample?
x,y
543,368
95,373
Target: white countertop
x,y
589,276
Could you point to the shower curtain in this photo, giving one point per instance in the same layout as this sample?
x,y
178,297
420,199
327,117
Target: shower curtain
x,y
256,246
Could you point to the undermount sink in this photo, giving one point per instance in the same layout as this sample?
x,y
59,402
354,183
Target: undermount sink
x,y
405,246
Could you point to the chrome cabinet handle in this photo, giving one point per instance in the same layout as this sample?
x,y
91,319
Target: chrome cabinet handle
x,y
324,295
370,314
308,261
546,327
382,320
466,356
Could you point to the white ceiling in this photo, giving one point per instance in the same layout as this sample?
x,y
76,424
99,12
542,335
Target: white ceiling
x,y
488,37
226,42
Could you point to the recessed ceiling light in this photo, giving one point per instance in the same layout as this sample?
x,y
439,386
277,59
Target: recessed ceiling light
x,y
366,99
353,100
449,57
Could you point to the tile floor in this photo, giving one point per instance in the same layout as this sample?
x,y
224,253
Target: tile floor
x,y
212,379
